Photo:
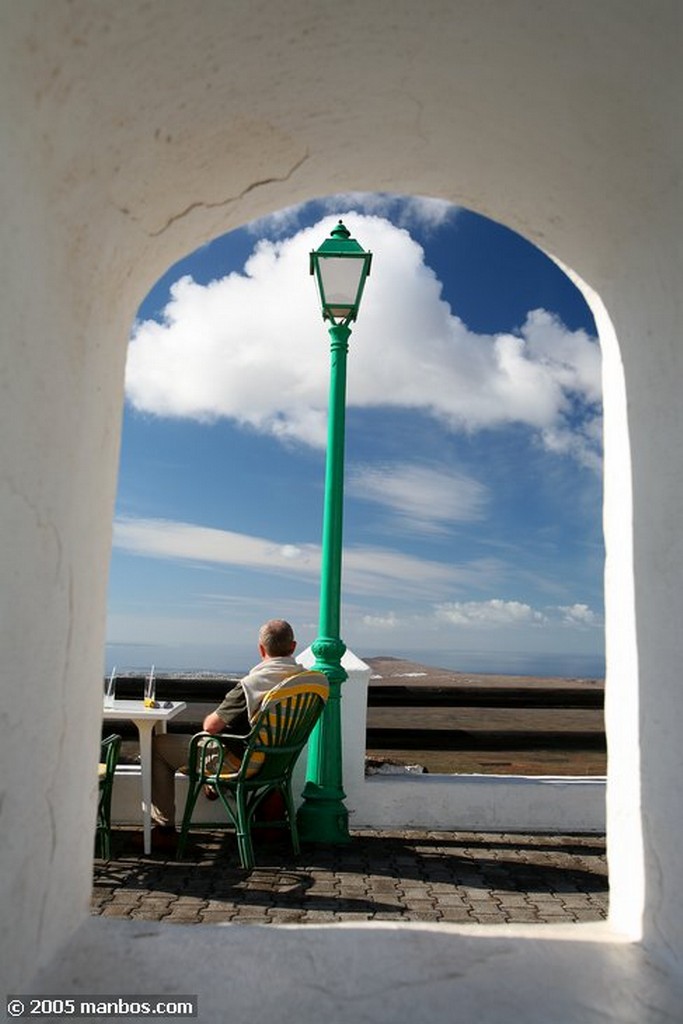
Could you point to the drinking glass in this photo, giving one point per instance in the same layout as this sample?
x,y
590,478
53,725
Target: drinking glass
x,y
150,689
110,689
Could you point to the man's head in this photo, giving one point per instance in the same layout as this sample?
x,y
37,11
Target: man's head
x,y
276,639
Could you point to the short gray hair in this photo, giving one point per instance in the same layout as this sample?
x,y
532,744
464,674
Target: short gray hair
x,y
277,637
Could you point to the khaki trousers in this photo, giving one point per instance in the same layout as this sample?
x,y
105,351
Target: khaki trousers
x,y
169,753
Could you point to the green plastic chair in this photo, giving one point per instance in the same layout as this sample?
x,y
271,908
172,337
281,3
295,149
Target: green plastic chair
x,y
109,757
279,732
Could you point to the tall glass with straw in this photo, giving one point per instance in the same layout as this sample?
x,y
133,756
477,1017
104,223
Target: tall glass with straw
x,y
110,689
150,689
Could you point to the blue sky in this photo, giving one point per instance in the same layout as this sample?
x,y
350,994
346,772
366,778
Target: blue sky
x,y
472,530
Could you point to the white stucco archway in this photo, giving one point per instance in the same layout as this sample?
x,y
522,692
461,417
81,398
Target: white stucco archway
x,y
136,131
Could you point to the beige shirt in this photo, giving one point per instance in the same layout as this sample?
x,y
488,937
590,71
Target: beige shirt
x,y
263,677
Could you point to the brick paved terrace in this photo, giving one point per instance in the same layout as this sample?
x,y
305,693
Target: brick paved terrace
x,y
448,877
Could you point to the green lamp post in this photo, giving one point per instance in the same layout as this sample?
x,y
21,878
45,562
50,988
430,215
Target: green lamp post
x,y
341,267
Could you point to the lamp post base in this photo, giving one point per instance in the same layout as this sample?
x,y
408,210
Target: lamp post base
x,y
323,819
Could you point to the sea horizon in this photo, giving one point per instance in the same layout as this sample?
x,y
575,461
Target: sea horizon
x,y
131,661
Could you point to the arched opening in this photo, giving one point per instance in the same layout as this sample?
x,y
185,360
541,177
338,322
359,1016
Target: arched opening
x,y
562,125
472,534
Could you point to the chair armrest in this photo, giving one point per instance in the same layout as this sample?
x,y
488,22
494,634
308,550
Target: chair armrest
x,y
110,747
208,751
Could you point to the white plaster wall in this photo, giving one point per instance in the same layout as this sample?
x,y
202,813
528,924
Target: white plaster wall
x,y
134,132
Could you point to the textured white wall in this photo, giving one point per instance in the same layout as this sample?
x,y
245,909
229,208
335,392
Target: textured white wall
x,y
134,132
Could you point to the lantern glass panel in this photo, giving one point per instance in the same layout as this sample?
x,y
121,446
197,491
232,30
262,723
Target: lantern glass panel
x,y
340,281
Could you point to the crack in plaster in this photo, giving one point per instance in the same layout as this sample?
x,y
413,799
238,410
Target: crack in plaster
x,y
67,658
46,890
226,202
419,111
43,524
414,59
61,739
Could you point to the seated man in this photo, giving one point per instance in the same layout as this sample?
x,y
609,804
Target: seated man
x,y
169,750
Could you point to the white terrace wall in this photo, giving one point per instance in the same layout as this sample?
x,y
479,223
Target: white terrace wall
x,y
477,803
486,803
133,132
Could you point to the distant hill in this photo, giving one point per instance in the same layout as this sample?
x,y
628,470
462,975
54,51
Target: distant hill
x,y
391,671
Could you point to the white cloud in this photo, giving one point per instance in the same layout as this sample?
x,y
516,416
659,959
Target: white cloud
x,y
407,211
164,538
291,551
277,224
487,613
582,442
421,497
377,571
579,615
424,212
252,347
367,570
500,613
389,621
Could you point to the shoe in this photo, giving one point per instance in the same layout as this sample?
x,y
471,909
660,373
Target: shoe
x,y
210,792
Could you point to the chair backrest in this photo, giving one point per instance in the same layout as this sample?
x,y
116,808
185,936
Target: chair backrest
x,y
283,724
109,756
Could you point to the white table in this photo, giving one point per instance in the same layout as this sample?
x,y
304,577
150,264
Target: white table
x,y
145,719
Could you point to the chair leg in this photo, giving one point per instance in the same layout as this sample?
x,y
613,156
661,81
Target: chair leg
x,y
103,830
190,802
291,815
106,842
244,844
103,842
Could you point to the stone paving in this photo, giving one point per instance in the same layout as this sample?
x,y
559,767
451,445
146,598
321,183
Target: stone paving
x,y
457,877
